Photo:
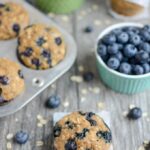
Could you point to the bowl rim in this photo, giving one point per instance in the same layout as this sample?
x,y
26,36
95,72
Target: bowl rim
x,y
99,59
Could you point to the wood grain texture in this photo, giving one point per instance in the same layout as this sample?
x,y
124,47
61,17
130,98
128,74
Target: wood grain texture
x,y
127,135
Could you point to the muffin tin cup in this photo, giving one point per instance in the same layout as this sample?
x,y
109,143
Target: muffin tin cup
x,y
36,80
58,6
122,83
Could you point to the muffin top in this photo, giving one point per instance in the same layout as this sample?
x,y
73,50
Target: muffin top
x,y
13,18
82,131
11,80
41,47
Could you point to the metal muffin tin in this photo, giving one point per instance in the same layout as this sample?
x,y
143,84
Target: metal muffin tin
x,y
36,80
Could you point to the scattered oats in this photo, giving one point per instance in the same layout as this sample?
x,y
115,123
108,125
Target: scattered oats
x,y
141,148
39,143
65,18
52,15
131,106
39,125
16,120
77,79
95,7
53,86
125,113
97,22
146,142
96,90
9,136
81,68
39,117
9,145
43,121
83,13
66,104
145,114
83,99
107,22
84,91
101,105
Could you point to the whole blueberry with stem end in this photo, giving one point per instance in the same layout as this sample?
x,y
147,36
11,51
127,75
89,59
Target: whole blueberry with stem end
x,y
130,50
123,37
125,68
53,101
109,39
113,63
88,76
135,113
21,137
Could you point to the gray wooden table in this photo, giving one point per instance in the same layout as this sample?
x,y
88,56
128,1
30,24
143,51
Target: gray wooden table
x,y
127,135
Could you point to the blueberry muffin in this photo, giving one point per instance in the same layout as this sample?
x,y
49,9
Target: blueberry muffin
x,y
82,131
11,80
13,18
41,47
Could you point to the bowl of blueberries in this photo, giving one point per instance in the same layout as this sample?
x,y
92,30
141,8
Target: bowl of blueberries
x,y
123,57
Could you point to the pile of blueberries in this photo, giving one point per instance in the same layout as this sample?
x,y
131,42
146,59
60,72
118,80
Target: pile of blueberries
x,y
127,50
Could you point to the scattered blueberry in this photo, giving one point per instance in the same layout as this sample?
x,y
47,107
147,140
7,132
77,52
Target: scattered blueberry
x,y
88,29
146,68
53,101
21,137
102,50
71,145
125,68
113,63
28,52
138,70
109,39
4,80
88,76
135,113
113,49
130,50
135,39
123,37
58,41
16,28
40,41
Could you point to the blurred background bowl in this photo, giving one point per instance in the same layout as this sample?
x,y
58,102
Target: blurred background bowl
x,y
58,6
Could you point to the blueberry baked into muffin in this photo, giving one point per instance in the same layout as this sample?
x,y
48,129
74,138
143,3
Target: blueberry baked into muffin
x,y
11,80
82,131
13,18
41,47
